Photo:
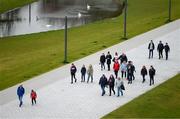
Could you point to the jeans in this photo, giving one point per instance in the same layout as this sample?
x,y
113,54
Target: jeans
x,y
111,88
33,100
103,89
102,65
150,54
160,54
20,100
129,77
119,90
82,77
166,55
151,80
89,75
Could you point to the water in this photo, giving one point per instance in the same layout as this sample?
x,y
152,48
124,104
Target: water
x,y
47,15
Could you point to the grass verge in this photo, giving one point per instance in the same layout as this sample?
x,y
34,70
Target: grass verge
x,y
26,56
160,102
6,5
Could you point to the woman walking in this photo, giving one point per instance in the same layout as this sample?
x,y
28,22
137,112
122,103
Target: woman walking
x,y
83,73
90,73
143,73
116,68
120,86
123,69
111,84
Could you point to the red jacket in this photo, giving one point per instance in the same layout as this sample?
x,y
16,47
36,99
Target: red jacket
x,y
116,66
33,95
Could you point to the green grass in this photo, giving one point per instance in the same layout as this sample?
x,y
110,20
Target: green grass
x,y
26,56
6,5
161,102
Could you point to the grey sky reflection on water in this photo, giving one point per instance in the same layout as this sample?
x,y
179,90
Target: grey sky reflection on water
x,y
46,15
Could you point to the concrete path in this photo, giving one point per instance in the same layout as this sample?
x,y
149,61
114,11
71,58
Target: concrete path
x,y
57,98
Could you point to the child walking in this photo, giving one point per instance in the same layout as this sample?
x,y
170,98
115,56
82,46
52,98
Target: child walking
x,y
33,97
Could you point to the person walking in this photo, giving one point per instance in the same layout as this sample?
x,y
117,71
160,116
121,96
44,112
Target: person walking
x,y
151,75
102,61
160,49
103,82
90,73
129,72
73,73
123,58
116,57
111,82
119,85
20,93
123,69
83,73
116,68
133,70
167,50
33,97
143,73
108,59
151,47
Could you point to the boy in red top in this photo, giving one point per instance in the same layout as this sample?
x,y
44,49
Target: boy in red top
x,y
116,68
33,97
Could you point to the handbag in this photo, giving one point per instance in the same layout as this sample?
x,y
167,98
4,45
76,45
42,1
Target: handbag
x,y
122,87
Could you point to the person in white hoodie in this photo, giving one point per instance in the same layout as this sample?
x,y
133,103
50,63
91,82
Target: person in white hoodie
x,y
120,86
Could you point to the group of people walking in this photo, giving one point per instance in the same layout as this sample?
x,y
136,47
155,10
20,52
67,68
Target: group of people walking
x,y
21,92
160,49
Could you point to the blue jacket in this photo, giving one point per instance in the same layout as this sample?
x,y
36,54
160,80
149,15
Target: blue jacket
x,y
20,91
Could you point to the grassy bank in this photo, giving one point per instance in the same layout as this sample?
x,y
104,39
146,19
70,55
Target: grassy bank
x,y
161,102
23,57
6,5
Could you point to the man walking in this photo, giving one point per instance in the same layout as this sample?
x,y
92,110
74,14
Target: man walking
x,y
152,72
73,73
167,50
108,58
103,82
102,61
160,49
151,49
20,93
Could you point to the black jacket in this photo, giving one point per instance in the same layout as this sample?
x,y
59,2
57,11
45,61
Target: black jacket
x,y
160,47
111,81
73,69
108,58
83,70
123,58
102,58
103,81
129,69
149,46
166,48
143,71
152,72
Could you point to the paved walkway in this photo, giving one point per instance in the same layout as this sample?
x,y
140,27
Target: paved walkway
x,y
57,98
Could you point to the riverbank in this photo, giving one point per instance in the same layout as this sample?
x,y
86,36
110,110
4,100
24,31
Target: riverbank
x,y
11,4
26,56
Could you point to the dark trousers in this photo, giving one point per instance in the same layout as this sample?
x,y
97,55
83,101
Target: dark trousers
x,y
82,77
73,76
90,75
151,80
150,54
108,67
160,54
129,77
143,78
116,74
123,74
102,65
111,88
133,77
33,100
166,55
